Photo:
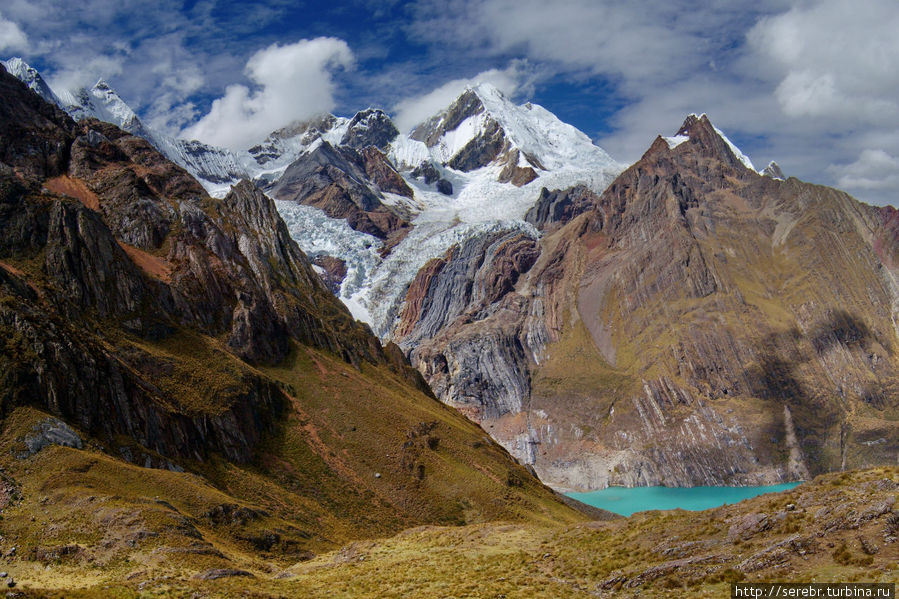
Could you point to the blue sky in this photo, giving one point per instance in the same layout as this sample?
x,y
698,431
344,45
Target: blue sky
x,y
813,85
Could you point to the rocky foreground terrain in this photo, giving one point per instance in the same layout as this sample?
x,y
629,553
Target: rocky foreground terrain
x,y
840,527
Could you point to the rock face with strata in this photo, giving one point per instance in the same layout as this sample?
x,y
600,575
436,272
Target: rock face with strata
x,y
107,248
335,180
482,372
556,208
697,323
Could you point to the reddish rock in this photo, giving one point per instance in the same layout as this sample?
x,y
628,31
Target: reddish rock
x,y
382,173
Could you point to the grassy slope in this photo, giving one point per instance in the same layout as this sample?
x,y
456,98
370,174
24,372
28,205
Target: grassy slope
x,y
359,454
839,527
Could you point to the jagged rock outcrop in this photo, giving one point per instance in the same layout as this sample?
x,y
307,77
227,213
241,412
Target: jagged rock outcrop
x,y
556,208
773,170
335,180
697,323
370,127
307,132
36,146
482,149
466,106
333,271
429,173
381,173
514,172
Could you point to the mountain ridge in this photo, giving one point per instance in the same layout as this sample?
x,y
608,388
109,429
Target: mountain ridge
x,y
632,340
176,359
471,281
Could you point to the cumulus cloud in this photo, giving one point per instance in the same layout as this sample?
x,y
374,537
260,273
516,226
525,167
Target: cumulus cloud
x,y
835,71
163,57
517,77
75,74
874,170
658,58
834,59
12,38
599,36
294,82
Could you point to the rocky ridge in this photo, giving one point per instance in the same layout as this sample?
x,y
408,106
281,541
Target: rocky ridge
x,y
477,166
175,331
692,325
427,200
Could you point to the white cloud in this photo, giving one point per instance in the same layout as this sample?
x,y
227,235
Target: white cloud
x,y
834,59
75,74
12,38
874,170
412,111
294,82
658,58
599,36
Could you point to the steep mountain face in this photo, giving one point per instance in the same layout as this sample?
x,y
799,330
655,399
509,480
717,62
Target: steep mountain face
x,y
28,75
216,168
343,183
371,127
483,243
143,246
697,323
555,208
143,323
384,203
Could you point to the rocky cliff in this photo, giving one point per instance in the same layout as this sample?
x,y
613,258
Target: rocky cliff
x,y
347,184
697,323
98,227
146,325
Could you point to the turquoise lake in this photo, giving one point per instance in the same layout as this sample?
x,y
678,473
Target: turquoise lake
x,y
626,501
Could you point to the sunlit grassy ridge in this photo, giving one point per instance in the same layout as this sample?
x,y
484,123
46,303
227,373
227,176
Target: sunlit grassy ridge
x,y
356,454
840,527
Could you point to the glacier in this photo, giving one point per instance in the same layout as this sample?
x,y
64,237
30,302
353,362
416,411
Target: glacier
x,y
375,285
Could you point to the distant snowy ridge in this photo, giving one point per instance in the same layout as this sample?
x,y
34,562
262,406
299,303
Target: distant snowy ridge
x,y
19,69
739,154
469,148
480,201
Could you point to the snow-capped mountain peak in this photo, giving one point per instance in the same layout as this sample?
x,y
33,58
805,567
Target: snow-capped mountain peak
x,y
477,166
370,127
102,102
700,127
32,78
483,126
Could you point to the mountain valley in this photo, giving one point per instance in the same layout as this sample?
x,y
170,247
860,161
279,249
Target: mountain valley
x,y
356,361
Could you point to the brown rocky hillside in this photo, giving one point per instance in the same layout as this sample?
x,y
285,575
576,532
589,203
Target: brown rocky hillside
x,y
697,323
